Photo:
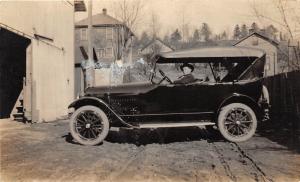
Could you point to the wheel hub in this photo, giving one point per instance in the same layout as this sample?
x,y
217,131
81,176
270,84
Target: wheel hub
x,y
238,122
88,125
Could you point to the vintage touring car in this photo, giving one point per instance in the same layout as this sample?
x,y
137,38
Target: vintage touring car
x,y
226,93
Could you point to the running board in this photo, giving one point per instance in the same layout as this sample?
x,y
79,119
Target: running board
x,y
173,125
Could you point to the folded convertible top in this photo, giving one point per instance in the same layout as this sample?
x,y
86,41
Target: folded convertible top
x,y
211,54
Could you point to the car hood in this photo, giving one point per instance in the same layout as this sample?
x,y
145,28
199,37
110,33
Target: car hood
x,y
127,88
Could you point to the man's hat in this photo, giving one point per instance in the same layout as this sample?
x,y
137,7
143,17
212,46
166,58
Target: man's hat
x,y
187,65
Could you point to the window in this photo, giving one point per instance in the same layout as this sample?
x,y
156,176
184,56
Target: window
x,y
255,71
202,72
83,34
100,53
109,52
101,30
109,33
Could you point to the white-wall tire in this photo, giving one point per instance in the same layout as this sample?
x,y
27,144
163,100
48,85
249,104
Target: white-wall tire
x,y
237,122
89,125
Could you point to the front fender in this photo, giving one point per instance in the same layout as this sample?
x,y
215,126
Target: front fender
x,y
94,101
86,101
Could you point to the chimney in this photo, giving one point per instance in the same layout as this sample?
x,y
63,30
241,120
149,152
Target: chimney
x,y
104,11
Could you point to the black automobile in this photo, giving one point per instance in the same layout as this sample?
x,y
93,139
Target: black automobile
x,y
226,93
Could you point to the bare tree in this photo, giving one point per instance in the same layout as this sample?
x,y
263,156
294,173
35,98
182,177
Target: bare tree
x,y
287,14
289,17
184,26
154,25
129,12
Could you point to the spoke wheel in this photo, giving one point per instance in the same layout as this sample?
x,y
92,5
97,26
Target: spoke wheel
x,y
89,125
237,122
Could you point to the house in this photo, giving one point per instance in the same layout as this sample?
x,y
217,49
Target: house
x,y
110,37
270,46
37,59
111,41
155,46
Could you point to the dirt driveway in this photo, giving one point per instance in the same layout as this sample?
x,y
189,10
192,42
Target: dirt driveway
x,y
46,152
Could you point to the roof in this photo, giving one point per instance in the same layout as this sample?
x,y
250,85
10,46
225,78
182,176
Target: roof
x,y
213,53
275,43
153,41
99,20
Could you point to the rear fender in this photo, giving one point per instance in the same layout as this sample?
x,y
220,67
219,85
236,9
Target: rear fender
x,y
240,98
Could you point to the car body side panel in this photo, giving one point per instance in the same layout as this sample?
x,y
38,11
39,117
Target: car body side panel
x,y
173,100
198,97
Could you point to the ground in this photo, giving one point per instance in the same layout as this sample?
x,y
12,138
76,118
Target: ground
x,y
46,152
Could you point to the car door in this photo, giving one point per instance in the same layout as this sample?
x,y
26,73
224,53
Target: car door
x,y
204,97
164,99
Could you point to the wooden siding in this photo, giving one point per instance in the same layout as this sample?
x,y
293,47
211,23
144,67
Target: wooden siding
x,y
270,49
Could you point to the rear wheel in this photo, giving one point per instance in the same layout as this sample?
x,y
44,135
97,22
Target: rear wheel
x,y
89,125
237,122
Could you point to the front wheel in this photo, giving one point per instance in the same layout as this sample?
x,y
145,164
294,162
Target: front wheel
x,y
237,122
89,125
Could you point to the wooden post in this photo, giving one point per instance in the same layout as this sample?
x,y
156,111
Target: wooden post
x,y
27,85
90,24
274,63
288,55
298,52
90,72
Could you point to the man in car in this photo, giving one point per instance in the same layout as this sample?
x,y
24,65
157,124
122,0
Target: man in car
x,y
187,76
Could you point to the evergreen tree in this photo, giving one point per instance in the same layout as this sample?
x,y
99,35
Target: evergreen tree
x,y
244,31
217,37
196,36
254,27
205,31
271,31
224,36
236,32
175,38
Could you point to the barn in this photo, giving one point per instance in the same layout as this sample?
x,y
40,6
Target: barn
x,y
36,59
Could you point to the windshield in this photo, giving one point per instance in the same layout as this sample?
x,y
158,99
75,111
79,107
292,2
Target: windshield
x,y
201,71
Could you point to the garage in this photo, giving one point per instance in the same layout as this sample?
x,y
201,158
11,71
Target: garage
x,y
13,73
36,59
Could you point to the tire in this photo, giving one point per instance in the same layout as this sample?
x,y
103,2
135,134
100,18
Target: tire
x,y
237,122
89,125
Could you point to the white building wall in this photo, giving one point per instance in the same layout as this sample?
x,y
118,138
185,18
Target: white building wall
x,y
254,41
52,65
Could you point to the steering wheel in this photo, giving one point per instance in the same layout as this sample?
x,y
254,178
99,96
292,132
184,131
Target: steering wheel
x,y
164,76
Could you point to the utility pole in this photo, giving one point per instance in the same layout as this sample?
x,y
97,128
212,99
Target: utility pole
x,y
90,72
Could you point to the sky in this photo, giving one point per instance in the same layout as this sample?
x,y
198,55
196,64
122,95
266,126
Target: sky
x,y
219,14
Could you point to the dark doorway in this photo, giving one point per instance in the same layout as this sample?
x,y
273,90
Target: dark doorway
x,y
12,69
